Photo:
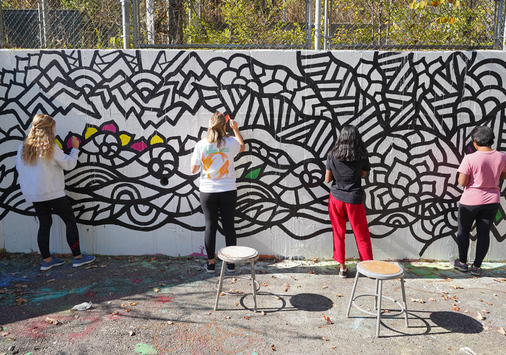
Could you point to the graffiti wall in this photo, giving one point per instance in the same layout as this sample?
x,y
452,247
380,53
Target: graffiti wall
x,y
138,115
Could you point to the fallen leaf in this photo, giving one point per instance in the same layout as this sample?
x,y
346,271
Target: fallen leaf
x,y
323,338
133,304
273,348
501,330
334,347
264,285
114,312
327,318
237,303
315,260
480,317
339,295
456,287
246,317
432,300
132,333
417,300
156,289
169,322
325,287
52,280
52,321
91,267
226,317
490,304
262,313
484,311
20,301
286,287
456,308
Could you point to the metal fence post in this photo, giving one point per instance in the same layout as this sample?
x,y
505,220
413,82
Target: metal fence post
x,y
317,25
325,25
2,33
42,23
125,10
135,22
500,40
309,23
150,21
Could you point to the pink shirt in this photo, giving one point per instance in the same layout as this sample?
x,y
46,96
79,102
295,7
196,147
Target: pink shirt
x,y
484,170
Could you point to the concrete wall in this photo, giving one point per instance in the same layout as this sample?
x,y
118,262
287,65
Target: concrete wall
x,y
138,115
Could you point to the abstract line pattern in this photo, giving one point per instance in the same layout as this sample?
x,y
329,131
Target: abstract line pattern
x,y
135,114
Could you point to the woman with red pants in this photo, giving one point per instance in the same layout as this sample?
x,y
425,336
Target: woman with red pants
x,y
347,163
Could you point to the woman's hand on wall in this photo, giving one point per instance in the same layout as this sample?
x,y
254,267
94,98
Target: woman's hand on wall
x,y
75,142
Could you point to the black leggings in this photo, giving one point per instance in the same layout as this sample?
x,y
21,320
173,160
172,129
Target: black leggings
x,y
484,216
214,205
63,208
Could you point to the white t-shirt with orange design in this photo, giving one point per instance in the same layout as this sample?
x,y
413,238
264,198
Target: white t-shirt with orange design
x,y
217,171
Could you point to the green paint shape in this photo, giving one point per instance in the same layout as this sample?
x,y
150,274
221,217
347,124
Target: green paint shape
x,y
253,174
498,216
145,349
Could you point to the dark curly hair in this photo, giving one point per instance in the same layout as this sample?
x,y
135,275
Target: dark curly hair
x,y
349,145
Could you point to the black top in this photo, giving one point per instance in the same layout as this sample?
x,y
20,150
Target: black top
x,y
347,184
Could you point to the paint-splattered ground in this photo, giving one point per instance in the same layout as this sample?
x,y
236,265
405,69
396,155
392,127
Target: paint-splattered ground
x,y
156,305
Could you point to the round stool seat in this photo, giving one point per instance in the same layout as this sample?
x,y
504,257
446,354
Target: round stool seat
x,y
237,254
380,269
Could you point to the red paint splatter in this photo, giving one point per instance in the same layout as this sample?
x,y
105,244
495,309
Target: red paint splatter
x,y
164,299
137,281
91,293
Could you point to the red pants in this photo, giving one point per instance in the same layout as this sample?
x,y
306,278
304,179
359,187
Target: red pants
x,y
339,213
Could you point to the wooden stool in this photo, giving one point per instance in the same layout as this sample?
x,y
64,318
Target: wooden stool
x,y
237,255
379,270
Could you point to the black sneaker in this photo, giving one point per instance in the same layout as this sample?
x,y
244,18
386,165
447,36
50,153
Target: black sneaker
x,y
475,271
230,268
459,265
211,268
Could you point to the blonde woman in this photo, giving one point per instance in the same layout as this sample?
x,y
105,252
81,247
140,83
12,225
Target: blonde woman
x,y
214,158
40,164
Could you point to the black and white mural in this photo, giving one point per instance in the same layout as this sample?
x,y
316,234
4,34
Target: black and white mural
x,y
138,115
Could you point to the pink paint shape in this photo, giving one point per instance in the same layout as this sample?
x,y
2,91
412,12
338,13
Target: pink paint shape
x,y
164,299
109,127
69,142
139,146
201,252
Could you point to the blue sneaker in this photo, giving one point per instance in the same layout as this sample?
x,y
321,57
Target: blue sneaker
x,y
86,259
54,262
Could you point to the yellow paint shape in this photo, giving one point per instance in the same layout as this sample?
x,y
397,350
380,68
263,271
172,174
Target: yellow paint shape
x,y
125,139
156,139
90,131
380,267
59,143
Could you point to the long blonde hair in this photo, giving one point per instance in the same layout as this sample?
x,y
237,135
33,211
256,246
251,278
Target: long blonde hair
x,y
216,131
40,140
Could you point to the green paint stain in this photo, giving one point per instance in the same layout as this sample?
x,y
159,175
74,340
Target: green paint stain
x,y
145,349
498,216
253,174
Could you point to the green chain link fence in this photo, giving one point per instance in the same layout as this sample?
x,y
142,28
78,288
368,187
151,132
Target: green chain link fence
x,y
250,24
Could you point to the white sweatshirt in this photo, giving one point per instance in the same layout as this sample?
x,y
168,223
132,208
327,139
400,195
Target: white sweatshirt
x,y
45,180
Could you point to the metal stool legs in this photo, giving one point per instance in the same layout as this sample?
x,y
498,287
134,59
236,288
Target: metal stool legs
x,y
379,271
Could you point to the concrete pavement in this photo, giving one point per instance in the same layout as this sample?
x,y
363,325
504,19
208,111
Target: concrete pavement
x,y
157,305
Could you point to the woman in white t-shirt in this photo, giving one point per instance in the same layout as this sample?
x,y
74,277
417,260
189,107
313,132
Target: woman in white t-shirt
x,y
214,158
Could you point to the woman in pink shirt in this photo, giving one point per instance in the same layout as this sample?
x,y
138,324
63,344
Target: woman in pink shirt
x,y
479,173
